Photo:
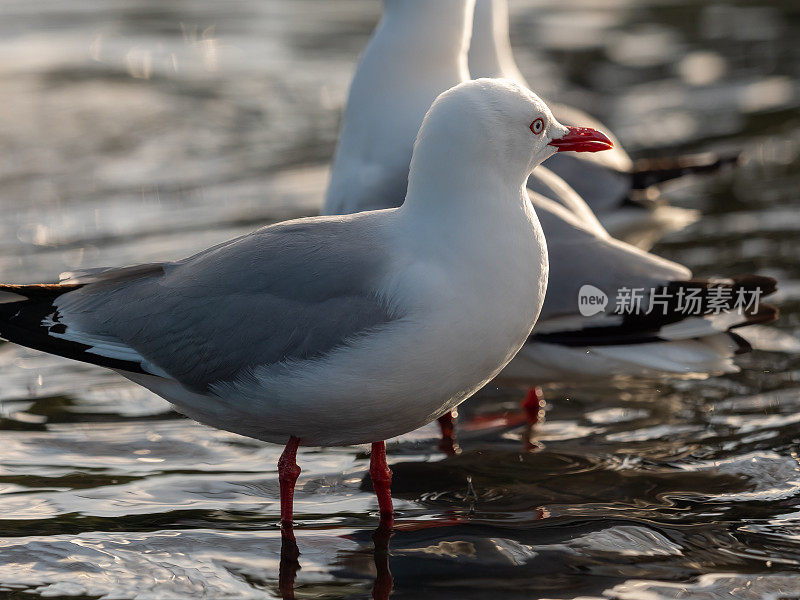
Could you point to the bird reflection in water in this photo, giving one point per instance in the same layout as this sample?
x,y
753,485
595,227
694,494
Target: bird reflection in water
x,y
290,564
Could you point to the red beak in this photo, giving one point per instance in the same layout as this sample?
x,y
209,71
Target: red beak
x,y
582,139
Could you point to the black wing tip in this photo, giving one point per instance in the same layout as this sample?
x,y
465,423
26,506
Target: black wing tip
x,y
767,285
766,313
652,171
742,345
22,323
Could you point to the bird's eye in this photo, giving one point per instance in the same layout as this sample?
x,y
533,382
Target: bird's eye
x,y
537,126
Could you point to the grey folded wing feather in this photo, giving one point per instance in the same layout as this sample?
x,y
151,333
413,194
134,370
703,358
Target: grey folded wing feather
x,y
292,291
579,255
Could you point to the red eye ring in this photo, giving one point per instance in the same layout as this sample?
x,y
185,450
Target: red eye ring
x,y
537,126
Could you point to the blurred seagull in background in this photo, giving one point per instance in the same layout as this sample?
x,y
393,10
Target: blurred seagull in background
x,y
418,49
608,181
336,330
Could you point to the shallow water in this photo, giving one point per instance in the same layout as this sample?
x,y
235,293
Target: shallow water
x,y
143,131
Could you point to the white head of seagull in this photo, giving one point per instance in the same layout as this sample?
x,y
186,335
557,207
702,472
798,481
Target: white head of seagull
x,y
497,127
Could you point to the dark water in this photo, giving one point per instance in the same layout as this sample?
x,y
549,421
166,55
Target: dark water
x,y
136,131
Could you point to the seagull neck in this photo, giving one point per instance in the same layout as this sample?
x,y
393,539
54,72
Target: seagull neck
x,y
490,52
435,33
444,196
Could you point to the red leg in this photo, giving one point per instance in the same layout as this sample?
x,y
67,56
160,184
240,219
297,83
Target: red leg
x,y
448,443
533,405
288,472
381,476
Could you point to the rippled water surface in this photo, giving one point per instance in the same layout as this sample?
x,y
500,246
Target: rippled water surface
x,y
146,130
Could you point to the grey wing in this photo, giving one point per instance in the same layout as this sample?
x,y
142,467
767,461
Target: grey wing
x,y
580,255
293,291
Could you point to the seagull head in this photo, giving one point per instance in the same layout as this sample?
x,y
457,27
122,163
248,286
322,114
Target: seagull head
x,y
501,125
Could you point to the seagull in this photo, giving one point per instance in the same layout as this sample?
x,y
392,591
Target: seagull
x,y
420,47
336,330
606,181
